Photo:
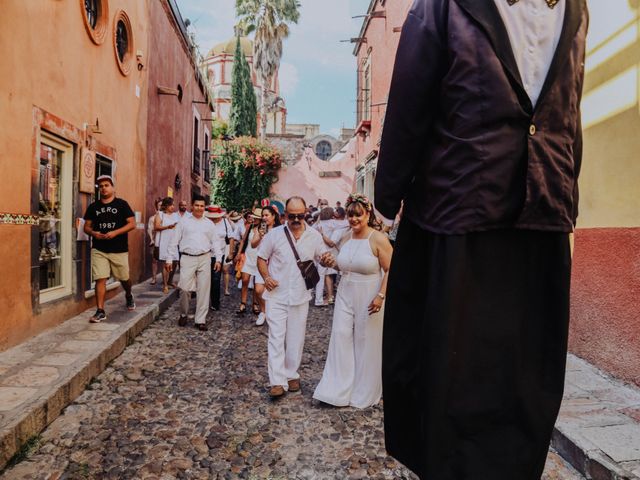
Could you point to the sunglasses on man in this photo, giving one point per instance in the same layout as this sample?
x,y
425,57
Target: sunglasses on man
x,y
296,216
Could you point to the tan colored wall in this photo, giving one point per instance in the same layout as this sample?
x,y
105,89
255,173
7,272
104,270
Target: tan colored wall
x,y
610,177
48,63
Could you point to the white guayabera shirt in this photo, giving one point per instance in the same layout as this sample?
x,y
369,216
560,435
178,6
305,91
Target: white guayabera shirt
x,y
275,248
194,236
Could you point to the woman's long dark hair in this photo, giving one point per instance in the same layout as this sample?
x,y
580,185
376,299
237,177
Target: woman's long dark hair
x,y
166,202
275,213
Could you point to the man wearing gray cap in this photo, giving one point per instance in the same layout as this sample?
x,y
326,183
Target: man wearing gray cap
x,y
108,221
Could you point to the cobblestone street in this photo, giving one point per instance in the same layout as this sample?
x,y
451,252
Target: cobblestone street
x,y
180,403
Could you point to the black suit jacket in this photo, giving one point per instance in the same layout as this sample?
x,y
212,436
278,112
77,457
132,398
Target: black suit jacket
x,y
462,144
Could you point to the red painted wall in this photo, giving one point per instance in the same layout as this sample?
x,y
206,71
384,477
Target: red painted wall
x,y
381,45
605,300
170,122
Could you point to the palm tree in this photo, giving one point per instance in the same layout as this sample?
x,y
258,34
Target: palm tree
x,y
269,19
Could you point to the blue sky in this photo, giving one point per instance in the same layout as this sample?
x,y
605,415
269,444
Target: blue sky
x,y
318,72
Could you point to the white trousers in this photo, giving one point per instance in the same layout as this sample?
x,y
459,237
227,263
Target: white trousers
x,y
353,371
287,327
195,276
320,290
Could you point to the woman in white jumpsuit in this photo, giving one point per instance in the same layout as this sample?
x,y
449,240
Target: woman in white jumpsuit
x,y
352,374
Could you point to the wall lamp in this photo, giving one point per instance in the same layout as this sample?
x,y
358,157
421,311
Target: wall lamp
x,y
94,128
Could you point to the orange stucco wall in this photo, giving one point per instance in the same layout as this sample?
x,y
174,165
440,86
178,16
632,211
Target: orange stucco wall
x,y
53,75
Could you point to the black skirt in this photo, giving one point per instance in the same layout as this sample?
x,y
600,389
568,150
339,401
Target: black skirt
x,y
474,351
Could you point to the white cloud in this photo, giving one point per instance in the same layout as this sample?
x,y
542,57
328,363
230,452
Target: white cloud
x,y
335,132
289,79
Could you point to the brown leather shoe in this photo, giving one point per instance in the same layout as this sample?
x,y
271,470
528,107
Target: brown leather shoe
x,y
294,385
276,391
182,321
202,327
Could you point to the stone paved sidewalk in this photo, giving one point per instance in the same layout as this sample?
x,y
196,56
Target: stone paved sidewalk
x,y
598,429
39,377
179,403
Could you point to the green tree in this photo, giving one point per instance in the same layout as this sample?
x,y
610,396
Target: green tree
x,y
242,121
269,20
250,98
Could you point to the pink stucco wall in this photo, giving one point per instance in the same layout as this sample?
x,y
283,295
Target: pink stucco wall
x,y
303,178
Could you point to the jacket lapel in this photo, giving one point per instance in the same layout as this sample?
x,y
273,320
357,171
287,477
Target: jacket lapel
x,y
570,25
486,14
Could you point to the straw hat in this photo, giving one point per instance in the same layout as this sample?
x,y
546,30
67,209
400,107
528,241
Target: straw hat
x,y
214,211
234,216
256,213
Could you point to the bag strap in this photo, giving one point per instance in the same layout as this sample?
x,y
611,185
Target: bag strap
x,y
295,252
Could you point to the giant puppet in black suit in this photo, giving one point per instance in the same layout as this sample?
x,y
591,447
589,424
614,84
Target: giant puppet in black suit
x,y
476,322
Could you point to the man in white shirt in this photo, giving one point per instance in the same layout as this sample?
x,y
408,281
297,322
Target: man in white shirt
x,y
286,296
196,241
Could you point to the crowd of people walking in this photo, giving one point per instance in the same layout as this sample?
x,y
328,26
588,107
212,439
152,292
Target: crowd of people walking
x,y
281,261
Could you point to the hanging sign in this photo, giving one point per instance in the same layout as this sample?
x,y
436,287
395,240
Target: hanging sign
x,y
87,170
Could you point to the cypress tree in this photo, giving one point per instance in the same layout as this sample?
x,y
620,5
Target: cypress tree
x,y
242,120
250,96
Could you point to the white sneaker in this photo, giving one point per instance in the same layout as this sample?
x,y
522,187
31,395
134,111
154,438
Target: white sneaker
x,y
261,319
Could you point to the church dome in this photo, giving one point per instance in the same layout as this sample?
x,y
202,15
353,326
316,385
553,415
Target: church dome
x,y
229,47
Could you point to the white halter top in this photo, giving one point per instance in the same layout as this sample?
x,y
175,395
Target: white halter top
x,y
356,257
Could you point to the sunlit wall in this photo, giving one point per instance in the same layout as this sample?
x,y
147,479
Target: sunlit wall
x,y
610,178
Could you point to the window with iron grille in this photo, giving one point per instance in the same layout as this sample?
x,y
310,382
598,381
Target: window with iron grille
x,y
123,42
196,150
91,10
366,93
206,165
95,14
323,150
